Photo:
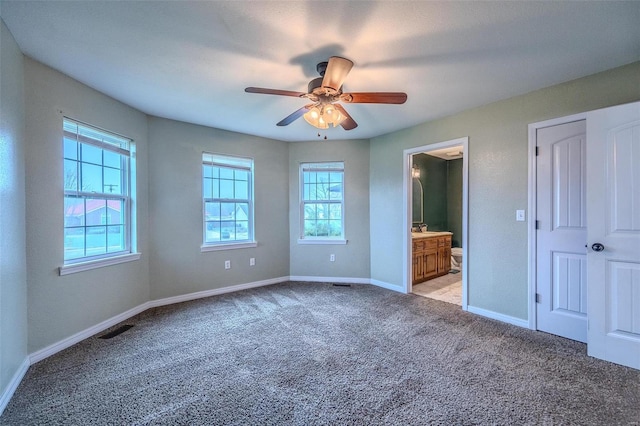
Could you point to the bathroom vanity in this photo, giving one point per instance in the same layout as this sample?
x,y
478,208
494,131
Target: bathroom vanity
x,y
431,255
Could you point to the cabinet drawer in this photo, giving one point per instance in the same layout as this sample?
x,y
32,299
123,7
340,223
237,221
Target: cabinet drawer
x,y
430,244
418,245
444,241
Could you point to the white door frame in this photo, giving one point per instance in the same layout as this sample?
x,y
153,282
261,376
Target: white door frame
x,y
407,211
532,204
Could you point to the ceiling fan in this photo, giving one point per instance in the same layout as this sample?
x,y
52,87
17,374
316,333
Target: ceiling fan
x,y
325,94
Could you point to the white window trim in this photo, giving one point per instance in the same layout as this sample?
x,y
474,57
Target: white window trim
x,y
227,246
224,245
321,240
71,266
100,263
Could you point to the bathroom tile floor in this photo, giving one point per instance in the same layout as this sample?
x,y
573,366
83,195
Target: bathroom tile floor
x,y
447,288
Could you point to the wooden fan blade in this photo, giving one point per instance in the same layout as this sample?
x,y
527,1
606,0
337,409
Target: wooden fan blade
x,y
374,98
294,116
349,123
274,92
336,72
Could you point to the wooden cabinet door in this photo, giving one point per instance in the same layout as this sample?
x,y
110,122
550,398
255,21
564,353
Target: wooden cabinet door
x,y
444,260
430,264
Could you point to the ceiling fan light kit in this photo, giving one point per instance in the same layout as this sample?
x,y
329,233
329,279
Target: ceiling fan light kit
x,y
326,92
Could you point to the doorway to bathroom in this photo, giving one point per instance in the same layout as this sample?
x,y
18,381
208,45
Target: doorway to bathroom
x,y
436,211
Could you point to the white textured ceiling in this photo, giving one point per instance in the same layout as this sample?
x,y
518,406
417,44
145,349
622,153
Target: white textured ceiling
x,y
191,60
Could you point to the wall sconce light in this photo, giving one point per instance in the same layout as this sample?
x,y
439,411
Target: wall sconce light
x,y
415,171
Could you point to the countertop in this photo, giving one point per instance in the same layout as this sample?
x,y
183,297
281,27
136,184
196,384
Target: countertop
x,y
430,234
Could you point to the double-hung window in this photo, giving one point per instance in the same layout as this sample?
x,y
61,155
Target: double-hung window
x,y
227,189
322,202
97,201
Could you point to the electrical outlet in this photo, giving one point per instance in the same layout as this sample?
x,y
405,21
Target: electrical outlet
x,y
227,264
252,261
332,257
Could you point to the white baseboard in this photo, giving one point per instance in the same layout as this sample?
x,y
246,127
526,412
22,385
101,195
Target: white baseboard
x,y
215,292
5,397
84,334
78,337
386,285
339,280
498,316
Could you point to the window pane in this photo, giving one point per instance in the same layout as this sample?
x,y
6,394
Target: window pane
x,y
242,190
335,228
310,211
115,238
115,212
112,181
70,175
73,243
94,225
228,231
91,178
322,199
226,219
206,188
73,211
226,173
241,175
226,189
335,191
207,171
96,240
112,159
212,233
322,228
335,211
90,154
70,149
309,228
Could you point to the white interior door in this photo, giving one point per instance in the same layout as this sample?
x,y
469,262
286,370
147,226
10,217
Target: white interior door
x,y
613,203
561,235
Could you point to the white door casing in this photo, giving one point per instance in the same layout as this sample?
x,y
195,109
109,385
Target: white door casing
x,y
561,279
613,203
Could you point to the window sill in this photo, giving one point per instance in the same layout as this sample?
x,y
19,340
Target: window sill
x,y
100,263
336,241
229,246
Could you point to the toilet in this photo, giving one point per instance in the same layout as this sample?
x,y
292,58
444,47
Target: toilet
x,y
456,258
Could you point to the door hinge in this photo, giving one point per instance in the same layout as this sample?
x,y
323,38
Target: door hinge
x,y
537,151
538,298
537,224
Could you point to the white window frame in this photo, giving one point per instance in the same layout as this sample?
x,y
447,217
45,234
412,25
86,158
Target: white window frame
x,y
124,147
245,164
323,166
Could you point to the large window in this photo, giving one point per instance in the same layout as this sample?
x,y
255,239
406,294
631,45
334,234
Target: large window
x,y
322,201
97,204
227,189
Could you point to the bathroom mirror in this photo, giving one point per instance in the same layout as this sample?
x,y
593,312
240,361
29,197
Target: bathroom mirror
x,y
417,201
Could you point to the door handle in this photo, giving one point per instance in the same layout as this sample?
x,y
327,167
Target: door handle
x,y
597,247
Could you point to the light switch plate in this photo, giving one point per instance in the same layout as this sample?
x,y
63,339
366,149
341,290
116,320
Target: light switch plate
x,y
520,215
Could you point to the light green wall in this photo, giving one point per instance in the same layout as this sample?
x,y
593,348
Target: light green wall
x,y
498,163
351,259
60,306
13,269
175,188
